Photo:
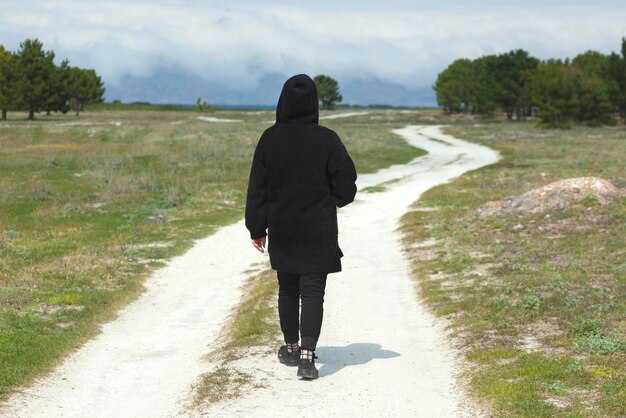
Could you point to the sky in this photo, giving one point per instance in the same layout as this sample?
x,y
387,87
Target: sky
x,y
236,42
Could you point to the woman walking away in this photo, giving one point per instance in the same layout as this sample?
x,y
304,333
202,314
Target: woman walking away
x,y
301,172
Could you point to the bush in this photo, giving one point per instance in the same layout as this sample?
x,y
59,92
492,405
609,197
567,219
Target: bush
x,y
598,343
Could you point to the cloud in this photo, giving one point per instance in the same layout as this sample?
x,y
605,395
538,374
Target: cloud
x,y
237,44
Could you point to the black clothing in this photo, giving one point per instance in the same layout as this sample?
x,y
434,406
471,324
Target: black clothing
x,y
301,172
312,288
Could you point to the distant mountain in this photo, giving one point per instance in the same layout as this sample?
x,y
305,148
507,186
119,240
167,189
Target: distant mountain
x,y
373,90
170,85
178,85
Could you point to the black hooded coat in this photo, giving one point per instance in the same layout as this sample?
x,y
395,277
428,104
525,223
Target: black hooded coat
x,y
301,172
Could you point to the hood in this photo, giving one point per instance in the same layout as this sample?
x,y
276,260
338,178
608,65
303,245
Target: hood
x,y
298,102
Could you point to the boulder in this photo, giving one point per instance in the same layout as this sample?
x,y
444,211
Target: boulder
x,y
554,196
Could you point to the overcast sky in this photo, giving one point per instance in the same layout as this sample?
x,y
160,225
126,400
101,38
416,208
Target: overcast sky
x,y
235,42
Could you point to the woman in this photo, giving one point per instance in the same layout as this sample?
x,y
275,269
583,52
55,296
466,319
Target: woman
x,y
301,172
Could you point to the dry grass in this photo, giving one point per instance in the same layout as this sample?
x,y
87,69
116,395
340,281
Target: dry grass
x,y
252,328
82,200
537,301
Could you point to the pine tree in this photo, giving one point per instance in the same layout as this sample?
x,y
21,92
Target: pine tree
x,y
84,87
327,90
593,99
616,79
7,81
453,86
554,92
484,85
36,69
58,89
511,72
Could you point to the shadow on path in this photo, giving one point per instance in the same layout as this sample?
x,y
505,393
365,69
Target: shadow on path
x,y
334,359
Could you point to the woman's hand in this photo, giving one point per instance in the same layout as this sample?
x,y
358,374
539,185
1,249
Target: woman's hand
x,y
259,243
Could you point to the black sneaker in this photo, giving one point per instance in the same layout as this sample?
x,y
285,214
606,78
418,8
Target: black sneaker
x,y
285,357
307,369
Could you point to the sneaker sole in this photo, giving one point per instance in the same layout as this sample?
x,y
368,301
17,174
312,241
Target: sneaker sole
x,y
307,376
310,377
287,362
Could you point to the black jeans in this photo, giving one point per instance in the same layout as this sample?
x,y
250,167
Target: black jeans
x,y
311,288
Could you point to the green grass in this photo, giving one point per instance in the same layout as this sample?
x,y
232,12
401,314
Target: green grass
x,y
91,205
537,301
379,187
252,328
222,383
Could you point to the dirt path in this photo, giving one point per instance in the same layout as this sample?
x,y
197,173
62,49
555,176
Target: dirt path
x,y
344,115
214,119
334,116
380,352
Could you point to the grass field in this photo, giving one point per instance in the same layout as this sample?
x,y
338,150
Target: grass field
x,y
537,302
91,205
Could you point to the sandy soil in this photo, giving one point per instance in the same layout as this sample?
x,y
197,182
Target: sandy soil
x,y
214,119
380,353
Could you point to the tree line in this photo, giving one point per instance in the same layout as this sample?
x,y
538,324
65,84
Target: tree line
x,y
31,81
590,88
